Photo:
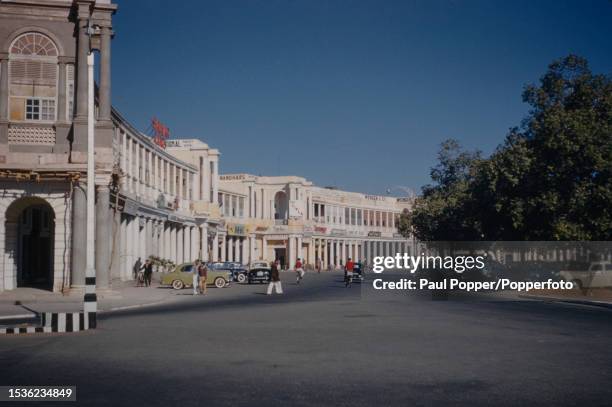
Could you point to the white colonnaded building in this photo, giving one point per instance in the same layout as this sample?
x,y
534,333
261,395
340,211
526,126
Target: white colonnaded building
x,y
169,201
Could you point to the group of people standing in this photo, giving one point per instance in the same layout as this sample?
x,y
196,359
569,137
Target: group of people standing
x,y
143,272
200,274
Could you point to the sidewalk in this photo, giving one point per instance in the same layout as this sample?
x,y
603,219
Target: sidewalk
x,y
22,303
600,297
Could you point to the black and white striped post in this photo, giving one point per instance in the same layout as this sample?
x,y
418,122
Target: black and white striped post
x,y
90,301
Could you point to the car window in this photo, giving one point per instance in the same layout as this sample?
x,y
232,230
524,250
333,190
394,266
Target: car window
x,y
187,268
609,267
597,267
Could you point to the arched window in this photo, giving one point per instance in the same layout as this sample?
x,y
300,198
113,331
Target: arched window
x,y
34,43
33,70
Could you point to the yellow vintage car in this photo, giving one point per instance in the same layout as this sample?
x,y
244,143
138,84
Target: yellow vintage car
x,y
182,277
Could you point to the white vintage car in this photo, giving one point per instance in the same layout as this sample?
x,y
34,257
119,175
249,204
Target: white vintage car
x,y
599,274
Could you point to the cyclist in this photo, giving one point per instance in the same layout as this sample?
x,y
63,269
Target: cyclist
x,y
348,270
299,270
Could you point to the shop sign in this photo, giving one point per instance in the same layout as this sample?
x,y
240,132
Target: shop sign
x,y
232,177
320,229
338,232
374,234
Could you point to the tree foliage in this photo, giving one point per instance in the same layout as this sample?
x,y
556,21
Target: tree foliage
x,y
549,179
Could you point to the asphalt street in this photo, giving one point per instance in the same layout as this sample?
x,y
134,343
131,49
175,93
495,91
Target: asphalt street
x,y
322,344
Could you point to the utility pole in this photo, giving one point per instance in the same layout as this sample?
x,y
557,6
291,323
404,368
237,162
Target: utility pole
x,y
90,301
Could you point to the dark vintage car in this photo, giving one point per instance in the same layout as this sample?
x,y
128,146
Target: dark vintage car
x,y
259,274
237,270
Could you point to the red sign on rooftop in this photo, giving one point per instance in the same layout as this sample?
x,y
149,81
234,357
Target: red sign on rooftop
x,y
160,132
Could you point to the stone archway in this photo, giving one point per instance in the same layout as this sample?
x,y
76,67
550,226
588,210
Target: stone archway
x,y
30,225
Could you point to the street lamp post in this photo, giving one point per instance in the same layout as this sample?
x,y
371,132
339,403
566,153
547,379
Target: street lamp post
x,y
90,304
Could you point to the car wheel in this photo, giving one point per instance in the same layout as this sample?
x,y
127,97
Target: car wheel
x,y
219,282
241,278
178,285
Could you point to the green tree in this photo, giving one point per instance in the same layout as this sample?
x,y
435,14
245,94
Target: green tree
x,y
549,180
441,213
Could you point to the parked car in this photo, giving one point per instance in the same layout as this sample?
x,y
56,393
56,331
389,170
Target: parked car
x,y
182,277
260,274
259,264
598,274
238,271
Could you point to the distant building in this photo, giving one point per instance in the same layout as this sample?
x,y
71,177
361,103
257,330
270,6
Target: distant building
x,y
288,217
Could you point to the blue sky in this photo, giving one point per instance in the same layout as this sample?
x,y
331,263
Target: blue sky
x,y
355,94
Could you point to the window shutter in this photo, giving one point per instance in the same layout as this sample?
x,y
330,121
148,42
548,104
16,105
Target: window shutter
x,y
33,72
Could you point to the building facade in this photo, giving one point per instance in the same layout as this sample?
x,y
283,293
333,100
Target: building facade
x,y
288,217
149,201
166,202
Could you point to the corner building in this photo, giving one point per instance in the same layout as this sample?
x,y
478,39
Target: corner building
x,y
149,201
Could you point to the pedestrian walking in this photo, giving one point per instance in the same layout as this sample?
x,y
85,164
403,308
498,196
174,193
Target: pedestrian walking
x,y
148,272
195,277
136,268
318,265
299,270
203,275
348,272
275,283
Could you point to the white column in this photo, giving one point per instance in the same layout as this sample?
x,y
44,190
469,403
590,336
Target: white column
x,y
194,244
298,250
215,179
291,242
264,247
206,179
187,244
155,176
230,248
204,242
263,203
251,248
165,176
223,248
196,183
181,174
122,246
237,253
215,247
137,169
180,243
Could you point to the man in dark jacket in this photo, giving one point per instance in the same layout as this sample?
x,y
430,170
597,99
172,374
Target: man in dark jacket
x,y
203,274
275,282
136,268
148,272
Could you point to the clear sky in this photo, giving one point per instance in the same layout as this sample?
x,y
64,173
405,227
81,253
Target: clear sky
x,y
355,94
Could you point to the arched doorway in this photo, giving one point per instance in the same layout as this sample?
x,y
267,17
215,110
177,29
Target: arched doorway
x,y
34,226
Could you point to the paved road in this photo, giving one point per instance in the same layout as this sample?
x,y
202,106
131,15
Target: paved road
x,y
321,344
